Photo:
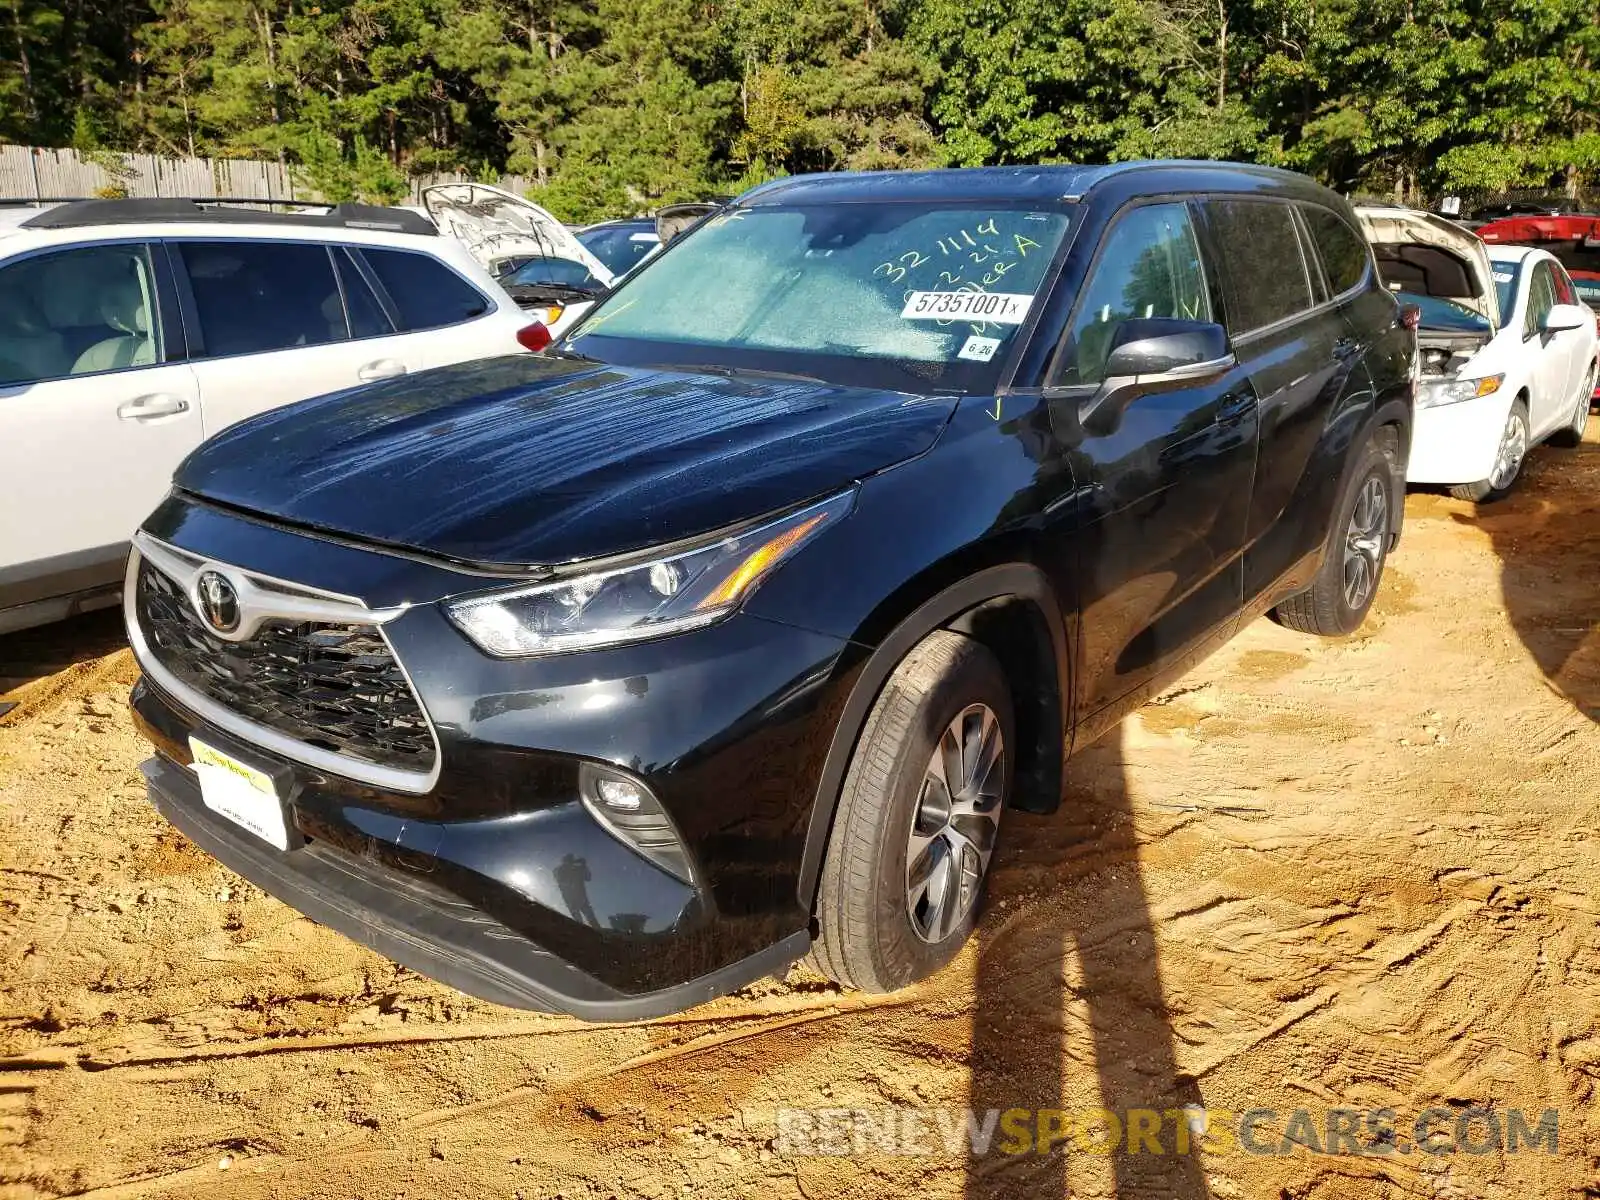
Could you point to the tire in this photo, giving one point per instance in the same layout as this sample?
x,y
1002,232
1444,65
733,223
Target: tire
x,y
1571,434
1505,476
1341,594
871,935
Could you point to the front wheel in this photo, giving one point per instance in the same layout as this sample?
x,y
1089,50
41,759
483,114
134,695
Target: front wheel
x,y
917,819
1508,461
1338,599
1571,434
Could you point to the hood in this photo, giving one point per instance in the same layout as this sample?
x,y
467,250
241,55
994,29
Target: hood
x,y
529,460
495,224
1426,255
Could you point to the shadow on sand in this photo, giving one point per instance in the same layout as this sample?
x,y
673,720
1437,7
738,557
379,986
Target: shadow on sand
x,y
31,655
1547,535
1063,1005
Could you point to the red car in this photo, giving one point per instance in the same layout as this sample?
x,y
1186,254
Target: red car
x,y
1572,238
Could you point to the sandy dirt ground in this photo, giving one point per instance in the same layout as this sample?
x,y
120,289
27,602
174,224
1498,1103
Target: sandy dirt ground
x,y
1362,873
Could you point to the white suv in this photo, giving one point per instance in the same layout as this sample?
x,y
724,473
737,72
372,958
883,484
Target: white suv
x,y
132,330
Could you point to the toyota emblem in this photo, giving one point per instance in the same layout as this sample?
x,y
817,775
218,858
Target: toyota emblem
x,y
217,602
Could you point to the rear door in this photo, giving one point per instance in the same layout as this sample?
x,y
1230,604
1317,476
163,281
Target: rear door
x,y
1579,343
1287,316
271,322
97,407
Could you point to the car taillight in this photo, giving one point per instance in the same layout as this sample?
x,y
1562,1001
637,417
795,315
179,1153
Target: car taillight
x,y
534,337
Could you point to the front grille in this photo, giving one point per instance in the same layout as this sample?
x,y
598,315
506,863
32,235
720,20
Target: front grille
x,y
336,687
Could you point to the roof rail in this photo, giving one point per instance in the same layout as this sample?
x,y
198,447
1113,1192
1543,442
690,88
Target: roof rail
x,y
260,201
79,213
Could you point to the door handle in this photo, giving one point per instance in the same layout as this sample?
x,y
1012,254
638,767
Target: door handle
x,y
148,408
1236,408
381,368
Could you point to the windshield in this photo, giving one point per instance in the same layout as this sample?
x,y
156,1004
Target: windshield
x,y
1505,288
1445,315
936,289
620,247
561,271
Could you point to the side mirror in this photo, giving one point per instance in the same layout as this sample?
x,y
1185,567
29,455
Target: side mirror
x,y
1565,316
1150,354
1161,346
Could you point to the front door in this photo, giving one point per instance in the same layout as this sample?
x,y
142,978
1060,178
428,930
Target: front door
x,y
93,414
1164,491
1550,397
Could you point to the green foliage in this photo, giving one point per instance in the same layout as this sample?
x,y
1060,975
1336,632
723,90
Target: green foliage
x,y
612,107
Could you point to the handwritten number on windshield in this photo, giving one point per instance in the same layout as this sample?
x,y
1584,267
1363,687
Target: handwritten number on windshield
x,y
977,253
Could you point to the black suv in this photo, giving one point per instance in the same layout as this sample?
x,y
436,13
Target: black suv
x,y
726,631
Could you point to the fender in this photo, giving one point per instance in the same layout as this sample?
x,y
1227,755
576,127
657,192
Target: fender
x,y
943,610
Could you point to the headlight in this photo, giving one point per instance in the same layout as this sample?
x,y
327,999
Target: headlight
x,y
1453,391
649,599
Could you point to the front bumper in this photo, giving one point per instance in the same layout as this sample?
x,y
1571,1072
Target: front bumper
x,y
727,726
423,926
1458,443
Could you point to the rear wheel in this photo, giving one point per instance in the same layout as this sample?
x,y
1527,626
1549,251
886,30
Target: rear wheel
x,y
1508,461
917,820
1571,434
1338,599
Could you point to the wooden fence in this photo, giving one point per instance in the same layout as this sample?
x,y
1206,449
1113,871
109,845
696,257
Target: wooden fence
x,y
31,173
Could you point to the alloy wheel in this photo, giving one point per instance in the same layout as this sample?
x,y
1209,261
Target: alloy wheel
x,y
955,822
1364,542
1513,449
1580,416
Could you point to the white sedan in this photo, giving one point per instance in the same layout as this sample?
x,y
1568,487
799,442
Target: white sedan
x,y
1507,355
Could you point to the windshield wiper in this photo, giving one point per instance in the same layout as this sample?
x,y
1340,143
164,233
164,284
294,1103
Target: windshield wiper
x,y
549,291
738,372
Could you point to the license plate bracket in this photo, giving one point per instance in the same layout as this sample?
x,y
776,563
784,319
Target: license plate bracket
x,y
248,794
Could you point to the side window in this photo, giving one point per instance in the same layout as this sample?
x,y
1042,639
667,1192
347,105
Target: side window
x,y
426,293
1343,251
1149,266
367,317
1267,279
78,312
1541,298
252,297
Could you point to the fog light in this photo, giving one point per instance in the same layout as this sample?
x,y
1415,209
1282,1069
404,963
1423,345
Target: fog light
x,y
619,795
628,811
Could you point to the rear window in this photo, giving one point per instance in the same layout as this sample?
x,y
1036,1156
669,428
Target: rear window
x,y
426,293
257,296
1266,273
1343,250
